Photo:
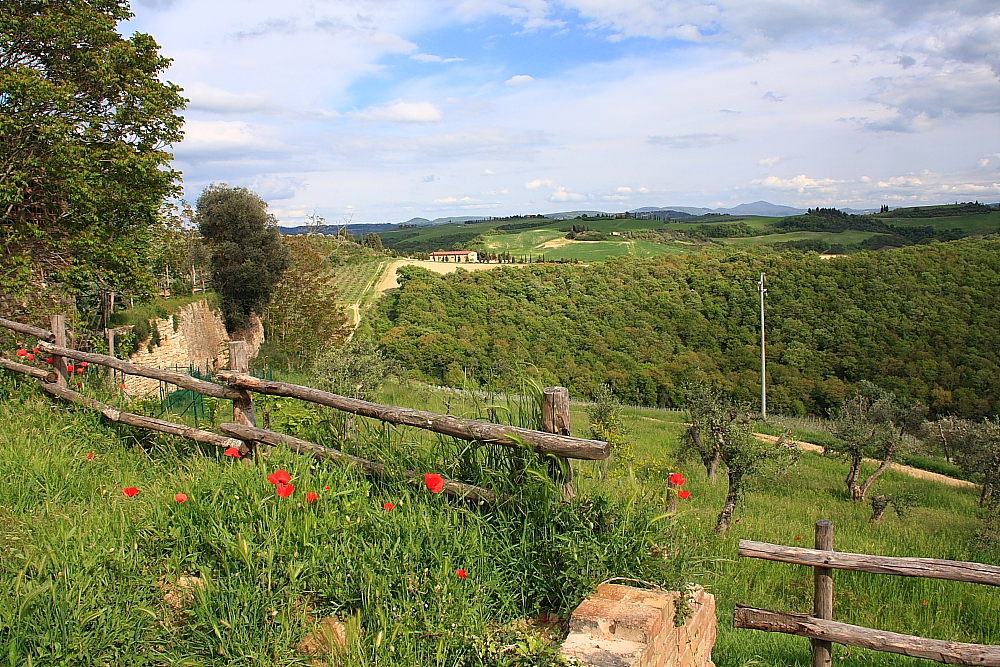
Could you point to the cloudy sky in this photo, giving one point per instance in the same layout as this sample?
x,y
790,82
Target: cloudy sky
x,y
382,110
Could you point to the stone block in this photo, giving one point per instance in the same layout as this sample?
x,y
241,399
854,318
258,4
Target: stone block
x,y
630,622
602,652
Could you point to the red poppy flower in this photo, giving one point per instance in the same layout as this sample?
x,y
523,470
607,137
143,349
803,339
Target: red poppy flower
x,y
326,488
69,368
683,495
50,360
925,601
79,369
121,386
279,477
434,482
83,364
232,451
130,491
462,574
284,489
30,356
677,479
22,353
181,498
799,537
388,507
35,350
90,456
311,497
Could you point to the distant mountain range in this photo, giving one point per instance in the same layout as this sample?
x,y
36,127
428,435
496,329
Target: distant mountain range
x,y
761,208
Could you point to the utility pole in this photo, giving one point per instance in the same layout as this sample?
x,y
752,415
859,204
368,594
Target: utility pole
x,y
763,356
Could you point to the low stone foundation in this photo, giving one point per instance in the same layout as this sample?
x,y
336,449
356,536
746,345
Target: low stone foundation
x,y
622,626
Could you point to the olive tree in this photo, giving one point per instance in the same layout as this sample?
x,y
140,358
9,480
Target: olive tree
x,y
872,424
248,256
732,442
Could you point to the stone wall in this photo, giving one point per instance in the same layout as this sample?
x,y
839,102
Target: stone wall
x,y
621,626
199,341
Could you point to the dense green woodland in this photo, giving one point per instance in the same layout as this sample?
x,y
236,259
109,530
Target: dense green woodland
x,y
922,321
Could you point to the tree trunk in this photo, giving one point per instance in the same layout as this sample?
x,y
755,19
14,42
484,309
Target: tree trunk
x,y
879,505
944,442
713,468
852,478
986,494
878,473
726,515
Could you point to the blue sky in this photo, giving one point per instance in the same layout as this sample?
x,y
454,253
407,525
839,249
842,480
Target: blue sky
x,y
382,110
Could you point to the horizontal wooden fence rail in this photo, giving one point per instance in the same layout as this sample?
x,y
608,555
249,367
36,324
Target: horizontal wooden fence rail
x,y
299,446
465,429
932,568
822,629
38,373
803,625
140,421
173,377
40,334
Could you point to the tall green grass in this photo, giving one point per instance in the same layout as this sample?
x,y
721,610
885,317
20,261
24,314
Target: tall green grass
x,y
84,569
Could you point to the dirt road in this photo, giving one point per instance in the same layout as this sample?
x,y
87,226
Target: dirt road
x,y
906,470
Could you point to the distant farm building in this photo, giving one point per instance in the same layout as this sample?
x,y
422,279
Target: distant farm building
x,y
455,256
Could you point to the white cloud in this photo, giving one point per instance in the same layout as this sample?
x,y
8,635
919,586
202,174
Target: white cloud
x,y
226,140
519,80
401,112
428,58
801,184
562,194
769,161
273,187
919,100
446,200
624,190
538,182
700,140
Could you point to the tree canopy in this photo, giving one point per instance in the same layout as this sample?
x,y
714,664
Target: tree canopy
x,y
85,129
248,256
920,322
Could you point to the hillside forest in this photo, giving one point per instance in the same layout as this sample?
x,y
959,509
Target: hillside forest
x,y
922,322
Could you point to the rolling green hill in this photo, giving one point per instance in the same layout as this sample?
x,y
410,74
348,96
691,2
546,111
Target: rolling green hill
x,y
821,230
921,321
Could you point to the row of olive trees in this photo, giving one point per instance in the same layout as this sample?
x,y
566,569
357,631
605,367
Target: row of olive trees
x,y
873,424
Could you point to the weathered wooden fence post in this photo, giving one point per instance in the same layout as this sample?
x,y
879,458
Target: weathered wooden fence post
x,y
555,419
239,361
823,600
59,329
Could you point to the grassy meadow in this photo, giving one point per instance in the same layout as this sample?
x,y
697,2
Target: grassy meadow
x,y
90,576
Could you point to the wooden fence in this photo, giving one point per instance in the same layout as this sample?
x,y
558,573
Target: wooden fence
x,y
824,631
244,435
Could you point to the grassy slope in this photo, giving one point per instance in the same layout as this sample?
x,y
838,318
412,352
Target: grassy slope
x,y
943,525
82,566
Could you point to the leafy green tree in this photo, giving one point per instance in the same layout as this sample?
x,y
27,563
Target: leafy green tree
x,y
248,255
722,433
872,424
357,370
304,317
707,433
85,124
